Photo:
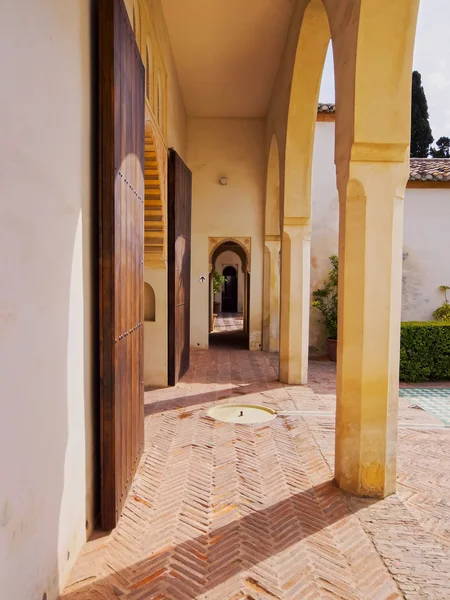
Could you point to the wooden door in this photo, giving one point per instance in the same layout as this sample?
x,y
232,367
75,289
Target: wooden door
x,y
121,250
179,266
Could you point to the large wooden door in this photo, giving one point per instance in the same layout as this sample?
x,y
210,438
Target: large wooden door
x,y
121,249
179,266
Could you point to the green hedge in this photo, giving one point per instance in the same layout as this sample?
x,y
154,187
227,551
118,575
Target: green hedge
x,y
425,351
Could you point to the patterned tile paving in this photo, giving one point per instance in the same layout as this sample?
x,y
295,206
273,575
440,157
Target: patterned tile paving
x,y
233,512
434,400
229,322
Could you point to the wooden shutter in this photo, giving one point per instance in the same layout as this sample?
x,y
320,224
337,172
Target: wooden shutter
x,y
179,266
121,250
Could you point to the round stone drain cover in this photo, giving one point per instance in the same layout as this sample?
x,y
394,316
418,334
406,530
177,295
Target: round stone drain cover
x,y
246,414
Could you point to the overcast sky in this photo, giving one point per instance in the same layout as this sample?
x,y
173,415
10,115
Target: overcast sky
x,y
431,59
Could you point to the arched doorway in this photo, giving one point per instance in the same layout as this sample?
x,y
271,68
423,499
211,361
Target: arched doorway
x,y
230,291
229,301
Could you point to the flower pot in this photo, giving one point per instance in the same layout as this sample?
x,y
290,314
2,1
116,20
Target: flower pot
x,y
216,307
332,349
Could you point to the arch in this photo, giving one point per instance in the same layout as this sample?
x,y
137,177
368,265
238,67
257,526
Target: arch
x,y
148,70
240,250
272,217
154,234
310,57
229,270
149,303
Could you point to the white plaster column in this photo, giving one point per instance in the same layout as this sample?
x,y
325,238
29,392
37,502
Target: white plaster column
x,y
370,279
295,299
271,317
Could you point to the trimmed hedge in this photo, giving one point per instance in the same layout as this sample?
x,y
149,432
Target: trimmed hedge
x,y
425,351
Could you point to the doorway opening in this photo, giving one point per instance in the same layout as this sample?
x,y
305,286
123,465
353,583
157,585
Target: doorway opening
x,y
230,290
229,305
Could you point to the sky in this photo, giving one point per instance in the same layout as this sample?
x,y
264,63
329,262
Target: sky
x,y
431,59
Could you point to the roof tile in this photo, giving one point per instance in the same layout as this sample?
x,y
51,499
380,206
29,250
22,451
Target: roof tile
x,y
422,169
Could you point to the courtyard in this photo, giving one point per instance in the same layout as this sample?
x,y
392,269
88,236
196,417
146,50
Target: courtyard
x,y
251,512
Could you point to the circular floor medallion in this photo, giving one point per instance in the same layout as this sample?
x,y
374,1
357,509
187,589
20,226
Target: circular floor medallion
x,y
246,414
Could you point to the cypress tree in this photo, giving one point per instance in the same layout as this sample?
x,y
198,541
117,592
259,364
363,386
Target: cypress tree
x,y
421,137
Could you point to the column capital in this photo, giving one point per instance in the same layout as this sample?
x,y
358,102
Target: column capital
x,y
296,221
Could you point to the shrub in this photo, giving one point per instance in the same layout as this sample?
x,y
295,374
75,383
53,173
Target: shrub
x,y
218,281
425,351
326,299
443,312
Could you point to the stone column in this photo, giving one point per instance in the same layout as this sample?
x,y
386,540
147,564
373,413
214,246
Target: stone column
x,y
295,300
370,277
271,319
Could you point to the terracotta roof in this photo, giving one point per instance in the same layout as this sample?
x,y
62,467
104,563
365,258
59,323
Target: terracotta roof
x,y
327,108
430,169
422,169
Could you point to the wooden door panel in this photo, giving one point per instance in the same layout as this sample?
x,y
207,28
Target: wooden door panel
x,y
179,266
121,253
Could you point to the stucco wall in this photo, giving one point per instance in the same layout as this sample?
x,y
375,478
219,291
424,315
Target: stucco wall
x,y
232,148
425,250
46,298
156,333
426,244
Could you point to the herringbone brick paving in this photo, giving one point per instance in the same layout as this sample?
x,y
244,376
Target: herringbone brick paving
x,y
234,512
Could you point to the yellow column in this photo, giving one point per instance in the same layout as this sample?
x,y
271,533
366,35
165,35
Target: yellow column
x,y
295,286
370,277
271,317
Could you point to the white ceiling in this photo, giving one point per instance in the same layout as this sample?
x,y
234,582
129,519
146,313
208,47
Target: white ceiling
x,y
227,53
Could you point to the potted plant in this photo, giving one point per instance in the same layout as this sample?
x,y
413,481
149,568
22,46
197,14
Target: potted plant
x,y
218,281
326,300
443,312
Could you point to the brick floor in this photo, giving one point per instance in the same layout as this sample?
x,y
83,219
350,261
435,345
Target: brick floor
x,y
229,322
234,512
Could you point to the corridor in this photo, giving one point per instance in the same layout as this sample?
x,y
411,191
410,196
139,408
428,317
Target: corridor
x,y
234,512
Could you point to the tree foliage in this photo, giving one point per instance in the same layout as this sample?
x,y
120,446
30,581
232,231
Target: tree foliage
x,y
421,136
443,148
218,281
326,299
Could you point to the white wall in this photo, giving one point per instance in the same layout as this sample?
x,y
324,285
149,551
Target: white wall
x,y
426,263
426,251
325,222
232,148
45,301
156,333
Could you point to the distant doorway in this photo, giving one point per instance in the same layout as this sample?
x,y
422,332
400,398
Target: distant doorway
x,y
229,305
230,291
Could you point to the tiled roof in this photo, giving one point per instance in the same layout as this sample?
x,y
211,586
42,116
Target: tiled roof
x,y
327,108
430,169
422,169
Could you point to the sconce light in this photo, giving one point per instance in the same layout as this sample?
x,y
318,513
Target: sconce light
x,y
224,181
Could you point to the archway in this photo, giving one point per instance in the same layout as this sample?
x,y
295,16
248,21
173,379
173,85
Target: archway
x,y
373,94
230,307
230,290
313,42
